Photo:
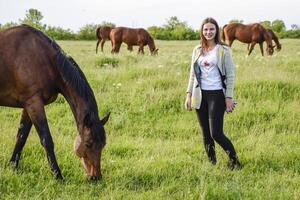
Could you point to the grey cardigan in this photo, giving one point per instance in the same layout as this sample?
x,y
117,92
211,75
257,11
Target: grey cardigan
x,y
225,64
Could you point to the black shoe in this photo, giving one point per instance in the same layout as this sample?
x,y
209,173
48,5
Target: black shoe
x,y
213,161
234,165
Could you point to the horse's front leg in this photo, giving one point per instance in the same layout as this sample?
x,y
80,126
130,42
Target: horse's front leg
x,y
129,48
251,48
141,49
23,132
36,112
261,48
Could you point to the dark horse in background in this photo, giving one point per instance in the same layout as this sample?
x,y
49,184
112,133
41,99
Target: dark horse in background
x,y
102,34
33,71
274,37
132,37
250,34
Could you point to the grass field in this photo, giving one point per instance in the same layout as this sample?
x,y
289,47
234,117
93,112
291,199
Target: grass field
x,y
154,147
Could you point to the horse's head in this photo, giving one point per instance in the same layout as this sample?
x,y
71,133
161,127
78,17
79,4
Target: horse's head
x,y
89,144
278,47
270,49
154,52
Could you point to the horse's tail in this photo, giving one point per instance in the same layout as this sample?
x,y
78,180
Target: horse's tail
x,y
98,37
223,33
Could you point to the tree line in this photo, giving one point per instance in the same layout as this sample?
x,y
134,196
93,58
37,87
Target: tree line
x,y
173,29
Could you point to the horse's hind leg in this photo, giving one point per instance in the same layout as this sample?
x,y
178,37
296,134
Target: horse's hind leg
x,y
251,48
97,46
102,44
230,42
23,132
36,112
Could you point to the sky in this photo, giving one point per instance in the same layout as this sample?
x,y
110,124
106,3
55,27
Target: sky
x,y
73,14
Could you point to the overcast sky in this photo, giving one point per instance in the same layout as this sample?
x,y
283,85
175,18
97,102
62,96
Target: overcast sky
x,y
73,14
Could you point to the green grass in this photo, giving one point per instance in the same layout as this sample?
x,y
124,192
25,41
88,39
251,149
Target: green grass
x,y
154,147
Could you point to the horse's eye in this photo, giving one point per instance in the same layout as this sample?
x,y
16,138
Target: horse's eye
x,y
88,145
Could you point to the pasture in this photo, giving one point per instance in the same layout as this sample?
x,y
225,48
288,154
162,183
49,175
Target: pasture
x,y
154,148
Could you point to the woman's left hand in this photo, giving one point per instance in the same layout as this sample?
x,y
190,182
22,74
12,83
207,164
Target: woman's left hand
x,y
229,104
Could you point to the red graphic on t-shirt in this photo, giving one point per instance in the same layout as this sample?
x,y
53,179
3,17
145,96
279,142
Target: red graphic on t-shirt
x,y
206,64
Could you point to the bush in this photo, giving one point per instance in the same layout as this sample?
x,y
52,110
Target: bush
x,y
59,33
105,61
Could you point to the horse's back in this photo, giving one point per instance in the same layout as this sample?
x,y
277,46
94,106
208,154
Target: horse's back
x,y
25,65
244,33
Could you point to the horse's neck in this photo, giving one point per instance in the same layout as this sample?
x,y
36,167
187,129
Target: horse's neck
x,y
151,45
267,37
78,104
275,38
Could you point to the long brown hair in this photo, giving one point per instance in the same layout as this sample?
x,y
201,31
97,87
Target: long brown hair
x,y
203,40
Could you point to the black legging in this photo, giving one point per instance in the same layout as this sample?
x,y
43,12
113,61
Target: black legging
x,y
211,117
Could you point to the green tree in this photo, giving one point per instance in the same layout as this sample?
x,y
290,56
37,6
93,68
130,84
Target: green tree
x,y
110,24
87,32
33,18
278,26
174,22
266,24
59,33
236,21
8,25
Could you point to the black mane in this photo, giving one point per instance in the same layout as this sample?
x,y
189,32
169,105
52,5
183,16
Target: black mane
x,y
69,69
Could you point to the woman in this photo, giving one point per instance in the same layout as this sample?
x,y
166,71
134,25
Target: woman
x,y
210,90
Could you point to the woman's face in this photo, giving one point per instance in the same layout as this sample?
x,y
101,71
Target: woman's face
x,y
209,31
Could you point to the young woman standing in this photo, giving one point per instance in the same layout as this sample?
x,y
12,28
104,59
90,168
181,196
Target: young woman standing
x,y
210,90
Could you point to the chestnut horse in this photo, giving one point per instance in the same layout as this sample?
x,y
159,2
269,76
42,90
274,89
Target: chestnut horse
x,y
102,34
250,34
34,70
274,37
132,37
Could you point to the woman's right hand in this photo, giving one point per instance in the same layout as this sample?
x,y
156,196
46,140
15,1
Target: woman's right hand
x,y
188,102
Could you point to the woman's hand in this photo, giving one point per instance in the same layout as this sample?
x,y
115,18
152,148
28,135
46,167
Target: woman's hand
x,y
188,102
229,104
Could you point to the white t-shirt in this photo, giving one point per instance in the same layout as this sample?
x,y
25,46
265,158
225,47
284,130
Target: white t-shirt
x,y
210,76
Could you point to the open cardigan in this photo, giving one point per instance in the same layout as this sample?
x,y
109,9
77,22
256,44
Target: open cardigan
x,y
226,67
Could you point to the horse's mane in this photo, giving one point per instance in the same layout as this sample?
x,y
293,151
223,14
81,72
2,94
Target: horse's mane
x,y
69,69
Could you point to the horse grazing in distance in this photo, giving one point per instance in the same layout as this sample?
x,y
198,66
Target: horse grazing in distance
x,y
102,34
274,37
250,34
132,37
34,70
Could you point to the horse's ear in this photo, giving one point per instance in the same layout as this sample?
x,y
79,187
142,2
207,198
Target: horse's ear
x,y
87,121
105,119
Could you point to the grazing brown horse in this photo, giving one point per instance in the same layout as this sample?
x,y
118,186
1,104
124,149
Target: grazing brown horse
x,y
274,37
102,34
131,37
33,71
250,34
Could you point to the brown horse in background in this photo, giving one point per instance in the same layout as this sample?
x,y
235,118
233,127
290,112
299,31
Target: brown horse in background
x,y
274,37
250,34
33,71
132,37
102,34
